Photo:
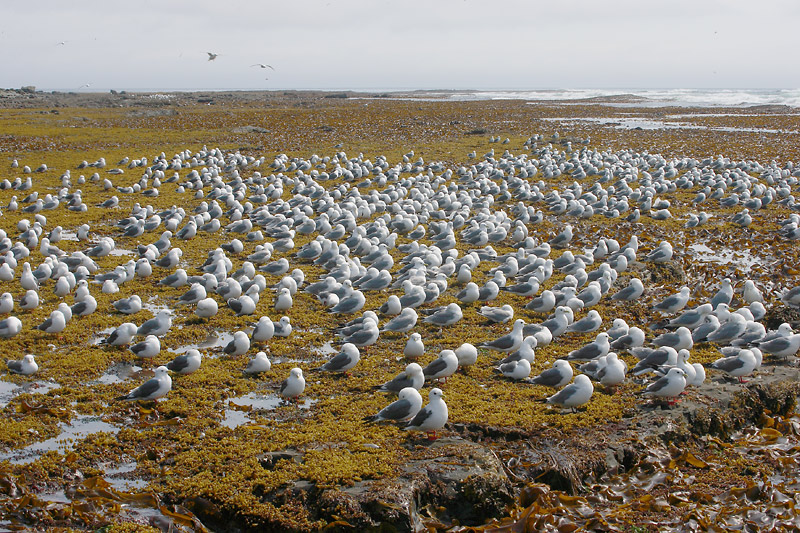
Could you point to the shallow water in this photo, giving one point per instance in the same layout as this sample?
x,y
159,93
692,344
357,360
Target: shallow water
x,y
631,123
213,340
8,389
78,428
743,259
237,410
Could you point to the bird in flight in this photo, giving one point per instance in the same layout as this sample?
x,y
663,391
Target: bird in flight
x,y
211,57
262,65
62,43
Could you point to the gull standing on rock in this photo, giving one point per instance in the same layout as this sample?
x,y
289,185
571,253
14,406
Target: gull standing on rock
x,y
432,417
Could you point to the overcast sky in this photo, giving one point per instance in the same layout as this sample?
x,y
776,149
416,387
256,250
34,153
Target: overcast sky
x,y
399,44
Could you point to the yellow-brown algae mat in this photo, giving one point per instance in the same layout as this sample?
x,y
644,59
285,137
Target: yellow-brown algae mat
x,y
229,449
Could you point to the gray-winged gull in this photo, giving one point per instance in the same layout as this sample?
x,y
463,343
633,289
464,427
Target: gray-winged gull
x,y
407,405
148,348
411,376
669,386
343,361
559,375
575,394
508,342
25,366
238,345
123,334
186,363
414,347
598,348
444,366
293,386
152,389
258,364
158,325
432,417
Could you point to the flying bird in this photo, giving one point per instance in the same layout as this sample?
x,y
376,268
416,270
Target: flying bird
x,y
262,65
212,56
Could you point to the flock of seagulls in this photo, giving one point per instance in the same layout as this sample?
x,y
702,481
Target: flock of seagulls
x,y
425,233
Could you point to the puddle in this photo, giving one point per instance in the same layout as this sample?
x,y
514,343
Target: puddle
x,y
102,335
80,427
214,340
239,414
118,474
8,389
325,349
154,307
724,256
120,372
649,124
120,251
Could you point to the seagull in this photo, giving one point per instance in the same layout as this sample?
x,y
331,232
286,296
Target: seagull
x,y
258,364
122,335
574,395
509,342
186,363
148,348
262,65
403,322
591,322
498,315
669,386
679,339
238,345
206,308
557,376
467,355
516,370
781,346
633,291
673,303
54,324
25,366
342,361
407,405
432,417
442,367
152,389
593,350
414,347
738,366
412,376
264,330
445,316
157,325
283,327
10,327
129,306
613,371
212,56
293,386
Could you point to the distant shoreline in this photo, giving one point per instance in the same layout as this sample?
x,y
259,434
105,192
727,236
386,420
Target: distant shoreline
x,y
778,99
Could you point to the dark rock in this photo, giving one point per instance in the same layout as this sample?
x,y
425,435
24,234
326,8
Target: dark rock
x,y
250,129
450,480
669,272
779,314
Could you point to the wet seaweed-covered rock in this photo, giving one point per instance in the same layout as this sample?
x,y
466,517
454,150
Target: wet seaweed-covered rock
x,y
669,272
779,314
451,480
